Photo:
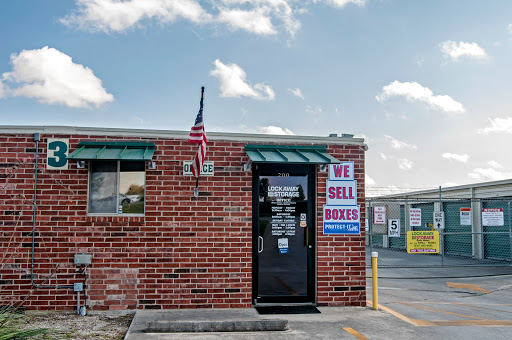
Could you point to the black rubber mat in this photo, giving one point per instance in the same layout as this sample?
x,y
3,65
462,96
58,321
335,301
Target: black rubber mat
x,y
287,309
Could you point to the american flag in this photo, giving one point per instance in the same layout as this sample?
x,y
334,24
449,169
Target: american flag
x,y
198,136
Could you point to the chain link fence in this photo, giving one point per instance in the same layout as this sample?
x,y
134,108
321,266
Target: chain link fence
x,y
471,232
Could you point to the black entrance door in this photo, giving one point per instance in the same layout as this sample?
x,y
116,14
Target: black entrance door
x,y
283,233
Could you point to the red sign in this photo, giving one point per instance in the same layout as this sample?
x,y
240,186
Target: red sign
x,y
341,172
379,215
493,217
341,192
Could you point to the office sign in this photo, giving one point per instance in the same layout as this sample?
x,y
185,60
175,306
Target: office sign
x,y
206,170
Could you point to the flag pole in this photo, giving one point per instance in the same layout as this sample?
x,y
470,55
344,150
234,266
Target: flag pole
x,y
196,189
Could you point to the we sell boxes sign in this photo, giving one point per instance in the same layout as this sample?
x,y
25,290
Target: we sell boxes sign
x,y
341,213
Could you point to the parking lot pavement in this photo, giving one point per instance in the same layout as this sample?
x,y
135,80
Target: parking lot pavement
x,y
456,303
414,303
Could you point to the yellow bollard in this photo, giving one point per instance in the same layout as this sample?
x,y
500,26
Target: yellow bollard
x,y
375,292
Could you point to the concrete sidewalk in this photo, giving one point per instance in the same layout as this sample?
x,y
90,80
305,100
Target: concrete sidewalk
x,y
331,323
417,303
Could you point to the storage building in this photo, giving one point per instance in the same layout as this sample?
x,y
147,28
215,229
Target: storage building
x,y
109,216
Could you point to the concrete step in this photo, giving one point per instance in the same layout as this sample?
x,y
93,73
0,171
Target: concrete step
x,y
168,326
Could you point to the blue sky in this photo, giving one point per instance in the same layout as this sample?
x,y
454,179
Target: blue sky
x,y
426,83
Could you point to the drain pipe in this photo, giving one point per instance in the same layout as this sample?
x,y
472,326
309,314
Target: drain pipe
x,y
37,138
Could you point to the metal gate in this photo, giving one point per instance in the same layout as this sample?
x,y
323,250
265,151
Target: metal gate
x,y
476,232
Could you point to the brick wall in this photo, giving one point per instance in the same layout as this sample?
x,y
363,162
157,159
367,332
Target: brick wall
x,y
341,260
185,252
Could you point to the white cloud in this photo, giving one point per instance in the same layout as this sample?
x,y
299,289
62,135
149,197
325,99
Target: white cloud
x,y
314,111
464,158
275,130
488,174
399,145
2,91
53,78
260,17
297,92
494,164
405,164
416,92
455,51
233,83
383,156
256,21
389,115
138,120
117,16
256,16
498,125
368,180
343,3
317,113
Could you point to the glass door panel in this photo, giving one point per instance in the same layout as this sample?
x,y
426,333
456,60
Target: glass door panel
x,y
284,237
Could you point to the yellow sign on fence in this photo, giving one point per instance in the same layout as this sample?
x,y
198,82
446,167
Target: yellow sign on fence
x,y
423,242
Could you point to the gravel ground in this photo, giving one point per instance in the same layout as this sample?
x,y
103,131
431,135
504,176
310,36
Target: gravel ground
x,y
66,325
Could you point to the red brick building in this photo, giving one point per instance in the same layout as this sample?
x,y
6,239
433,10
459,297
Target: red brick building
x,y
254,234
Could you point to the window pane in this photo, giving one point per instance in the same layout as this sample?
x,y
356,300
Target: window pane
x,y
131,187
133,166
103,187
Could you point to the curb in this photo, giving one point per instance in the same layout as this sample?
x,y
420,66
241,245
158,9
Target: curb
x,y
215,326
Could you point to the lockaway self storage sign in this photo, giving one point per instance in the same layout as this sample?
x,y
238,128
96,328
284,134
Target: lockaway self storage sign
x,y
423,242
341,213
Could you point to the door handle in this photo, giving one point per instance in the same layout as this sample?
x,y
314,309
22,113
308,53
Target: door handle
x,y
260,239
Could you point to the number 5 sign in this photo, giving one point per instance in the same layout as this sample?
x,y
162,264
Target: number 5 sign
x,y
393,228
56,154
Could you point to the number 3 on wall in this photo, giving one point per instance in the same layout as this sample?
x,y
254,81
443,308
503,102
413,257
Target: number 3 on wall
x,y
56,153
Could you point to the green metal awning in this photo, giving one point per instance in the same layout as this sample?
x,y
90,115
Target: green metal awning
x,y
292,154
125,151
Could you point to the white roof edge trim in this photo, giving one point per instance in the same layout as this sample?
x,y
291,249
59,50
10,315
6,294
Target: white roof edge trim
x,y
476,186
229,136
